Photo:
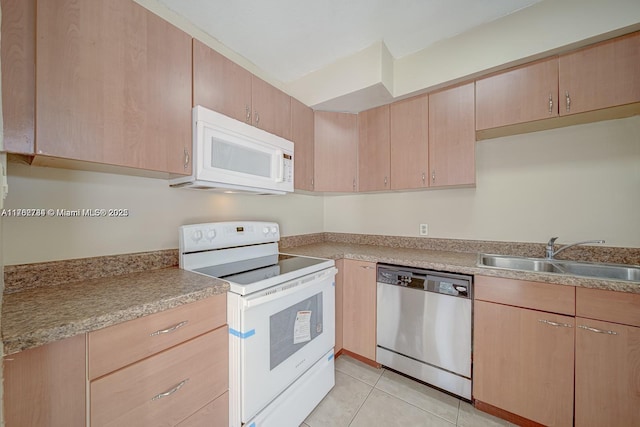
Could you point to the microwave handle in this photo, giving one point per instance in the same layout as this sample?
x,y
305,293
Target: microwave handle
x,y
280,163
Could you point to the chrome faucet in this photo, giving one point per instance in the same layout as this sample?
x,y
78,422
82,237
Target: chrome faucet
x,y
550,253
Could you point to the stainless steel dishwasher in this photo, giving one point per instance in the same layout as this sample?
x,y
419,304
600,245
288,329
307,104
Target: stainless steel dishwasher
x,y
424,326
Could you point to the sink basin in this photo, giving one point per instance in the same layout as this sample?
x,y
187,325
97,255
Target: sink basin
x,y
575,268
517,263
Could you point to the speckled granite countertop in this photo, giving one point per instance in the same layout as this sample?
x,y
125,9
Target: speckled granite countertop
x,y
457,262
45,314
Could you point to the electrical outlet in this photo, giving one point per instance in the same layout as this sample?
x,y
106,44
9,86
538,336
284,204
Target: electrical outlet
x,y
424,229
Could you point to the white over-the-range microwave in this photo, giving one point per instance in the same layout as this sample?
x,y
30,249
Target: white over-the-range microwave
x,y
232,156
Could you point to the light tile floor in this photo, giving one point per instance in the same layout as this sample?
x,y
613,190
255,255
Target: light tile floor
x,y
366,396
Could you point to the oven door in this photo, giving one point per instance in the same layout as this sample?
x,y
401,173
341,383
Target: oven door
x,y
275,336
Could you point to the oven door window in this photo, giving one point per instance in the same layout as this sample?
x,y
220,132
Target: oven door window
x,y
294,327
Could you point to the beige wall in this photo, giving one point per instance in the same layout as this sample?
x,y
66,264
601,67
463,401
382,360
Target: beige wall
x,y
156,211
580,182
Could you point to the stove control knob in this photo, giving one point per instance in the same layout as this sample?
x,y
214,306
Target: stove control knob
x,y
265,230
211,234
274,230
196,235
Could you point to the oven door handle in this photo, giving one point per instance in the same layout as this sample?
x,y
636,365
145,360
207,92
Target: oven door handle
x,y
288,288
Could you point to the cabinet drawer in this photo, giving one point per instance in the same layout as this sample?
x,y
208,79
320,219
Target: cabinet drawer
x,y
522,293
215,414
120,345
166,388
610,306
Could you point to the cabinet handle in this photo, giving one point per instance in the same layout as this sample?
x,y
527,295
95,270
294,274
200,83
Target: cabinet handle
x,y
367,267
550,104
423,178
312,183
433,177
567,100
186,158
354,184
257,116
549,322
170,392
598,331
385,181
248,114
169,329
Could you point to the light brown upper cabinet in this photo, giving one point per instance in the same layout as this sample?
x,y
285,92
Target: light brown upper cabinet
x,y
374,149
603,75
523,94
225,87
302,137
220,84
113,85
18,74
452,136
410,143
335,151
271,108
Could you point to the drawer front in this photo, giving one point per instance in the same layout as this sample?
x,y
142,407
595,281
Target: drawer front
x,y
521,293
215,414
120,345
609,306
166,388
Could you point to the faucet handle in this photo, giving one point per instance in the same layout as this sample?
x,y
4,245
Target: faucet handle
x,y
552,241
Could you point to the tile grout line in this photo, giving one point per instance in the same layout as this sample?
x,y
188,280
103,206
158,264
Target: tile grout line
x,y
365,399
422,409
417,407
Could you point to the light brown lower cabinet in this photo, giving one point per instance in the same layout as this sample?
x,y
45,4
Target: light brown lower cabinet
x,y
166,388
161,370
359,308
607,358
45,386
339,304
523,362
537,348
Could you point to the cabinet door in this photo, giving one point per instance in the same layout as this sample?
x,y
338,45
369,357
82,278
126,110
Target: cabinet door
x,y
45,386
302,136
339,304
271,108
113,85
410,143
374,149
607,374
452,137
601,76
523,94
18,74
523,363
220,84
359,307
335,151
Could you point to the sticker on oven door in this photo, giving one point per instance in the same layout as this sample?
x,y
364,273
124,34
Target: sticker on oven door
x,y
302,327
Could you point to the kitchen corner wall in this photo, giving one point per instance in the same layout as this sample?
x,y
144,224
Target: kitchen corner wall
x,y
580,182
155,212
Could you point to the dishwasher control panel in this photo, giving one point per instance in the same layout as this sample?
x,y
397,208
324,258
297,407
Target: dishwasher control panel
x,y
457,285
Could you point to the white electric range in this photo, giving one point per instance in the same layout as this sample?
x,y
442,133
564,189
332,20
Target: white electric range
x,y
281,316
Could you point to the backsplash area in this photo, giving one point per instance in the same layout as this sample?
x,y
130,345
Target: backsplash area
x,y
27,276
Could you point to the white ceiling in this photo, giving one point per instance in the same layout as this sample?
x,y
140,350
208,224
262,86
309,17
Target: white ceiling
x,y
288,39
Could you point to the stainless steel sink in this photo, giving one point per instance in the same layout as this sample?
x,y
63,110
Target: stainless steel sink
x,y
575,268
